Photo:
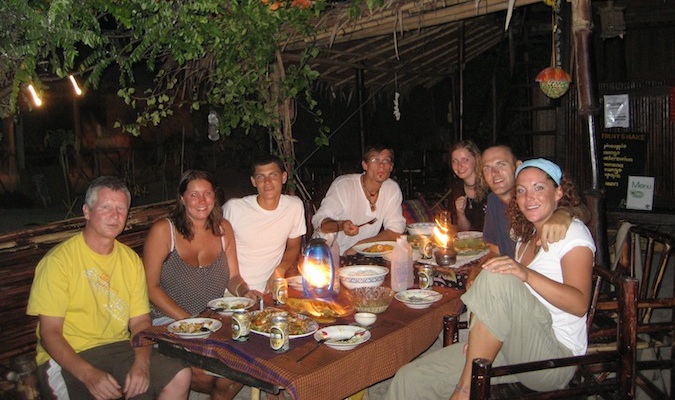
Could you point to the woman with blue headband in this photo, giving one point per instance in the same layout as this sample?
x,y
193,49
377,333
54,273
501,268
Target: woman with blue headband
x,y
526,308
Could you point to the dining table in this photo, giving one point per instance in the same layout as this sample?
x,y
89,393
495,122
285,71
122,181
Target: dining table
x,y
399,335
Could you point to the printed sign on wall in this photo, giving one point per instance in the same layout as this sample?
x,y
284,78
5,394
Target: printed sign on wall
x,y
640,193
617,111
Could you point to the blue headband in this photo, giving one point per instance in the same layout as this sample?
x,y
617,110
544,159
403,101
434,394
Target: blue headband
x,y
552,169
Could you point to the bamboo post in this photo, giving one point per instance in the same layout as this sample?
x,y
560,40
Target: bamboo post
x,y
588,110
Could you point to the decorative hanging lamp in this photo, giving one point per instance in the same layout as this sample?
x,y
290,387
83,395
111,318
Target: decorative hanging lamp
x,y
554,81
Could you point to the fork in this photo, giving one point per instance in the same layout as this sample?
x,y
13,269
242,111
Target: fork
x,y
372,221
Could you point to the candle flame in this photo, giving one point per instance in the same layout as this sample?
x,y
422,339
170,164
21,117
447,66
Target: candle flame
x,y
316,274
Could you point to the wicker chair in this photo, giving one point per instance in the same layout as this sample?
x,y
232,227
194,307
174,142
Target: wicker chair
x,y
593,368
646,255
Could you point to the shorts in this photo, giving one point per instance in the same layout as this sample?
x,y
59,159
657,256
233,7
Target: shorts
x,y
114,358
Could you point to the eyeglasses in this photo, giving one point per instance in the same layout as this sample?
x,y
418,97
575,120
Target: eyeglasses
x,y
386,161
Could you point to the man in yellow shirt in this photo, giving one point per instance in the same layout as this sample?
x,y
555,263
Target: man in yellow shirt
x,y
90,295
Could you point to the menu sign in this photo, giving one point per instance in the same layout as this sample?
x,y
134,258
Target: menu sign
x,y
623,154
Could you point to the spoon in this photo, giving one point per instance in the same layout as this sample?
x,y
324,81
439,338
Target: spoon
x,y
372,221
324,338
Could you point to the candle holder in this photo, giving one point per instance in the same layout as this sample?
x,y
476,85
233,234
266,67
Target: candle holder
x,y
445,256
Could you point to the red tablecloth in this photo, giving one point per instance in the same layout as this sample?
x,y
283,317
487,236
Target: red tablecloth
x,y
399,335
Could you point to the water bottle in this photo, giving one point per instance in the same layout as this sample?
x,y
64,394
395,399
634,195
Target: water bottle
x,y
400,265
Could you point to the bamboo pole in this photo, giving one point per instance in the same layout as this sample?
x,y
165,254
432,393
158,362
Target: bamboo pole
x,y
588,111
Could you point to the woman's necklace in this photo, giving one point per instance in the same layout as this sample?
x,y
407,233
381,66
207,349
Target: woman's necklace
x,y
371,197
469,202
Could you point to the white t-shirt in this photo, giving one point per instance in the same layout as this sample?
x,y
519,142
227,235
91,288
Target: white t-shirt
x,y
345,200
261,235
569,329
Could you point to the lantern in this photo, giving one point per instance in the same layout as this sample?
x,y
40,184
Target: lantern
x,y
319,272
554,81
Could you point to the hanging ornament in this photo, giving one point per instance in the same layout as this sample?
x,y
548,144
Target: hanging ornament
x,y
214,133
397,95
554,81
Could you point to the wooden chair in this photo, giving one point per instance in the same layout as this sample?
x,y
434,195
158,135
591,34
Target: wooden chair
x,y
593,368
646,255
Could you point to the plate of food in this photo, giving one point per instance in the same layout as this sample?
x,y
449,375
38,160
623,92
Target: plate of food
x,y
418,298
375,249
470,243
342,337
194,328
228,305
324,309
298,325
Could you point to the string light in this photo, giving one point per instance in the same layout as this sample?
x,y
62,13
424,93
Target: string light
x,y
36,99
76,87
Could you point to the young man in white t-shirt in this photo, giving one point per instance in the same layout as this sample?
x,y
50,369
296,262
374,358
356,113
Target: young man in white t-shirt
x,y
268,227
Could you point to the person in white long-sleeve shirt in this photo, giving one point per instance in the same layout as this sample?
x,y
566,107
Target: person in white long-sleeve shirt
x,y
354,199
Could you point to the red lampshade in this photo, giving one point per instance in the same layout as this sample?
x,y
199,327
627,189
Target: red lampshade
x,y
554,81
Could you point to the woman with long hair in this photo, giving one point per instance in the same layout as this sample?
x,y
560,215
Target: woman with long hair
x,y
524,308
191,258
469,189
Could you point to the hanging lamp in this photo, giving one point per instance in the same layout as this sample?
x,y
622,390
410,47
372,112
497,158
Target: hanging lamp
x,y
554,81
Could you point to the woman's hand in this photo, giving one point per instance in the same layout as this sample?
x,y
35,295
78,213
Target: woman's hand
x,y
253,295
506,265
460,204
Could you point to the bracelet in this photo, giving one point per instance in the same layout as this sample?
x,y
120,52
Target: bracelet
x,y
459,388
337,226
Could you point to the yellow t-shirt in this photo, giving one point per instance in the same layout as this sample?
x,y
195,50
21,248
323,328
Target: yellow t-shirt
x,y
95,294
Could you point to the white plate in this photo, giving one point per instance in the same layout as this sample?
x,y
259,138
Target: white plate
x,y
360,248
182,326
230,304
336,333
295,282
469,235
418,298
421,228
313,326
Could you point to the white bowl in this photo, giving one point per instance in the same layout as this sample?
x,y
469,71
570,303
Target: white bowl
x,y
421,228
418,299
365,319
357,276
342,337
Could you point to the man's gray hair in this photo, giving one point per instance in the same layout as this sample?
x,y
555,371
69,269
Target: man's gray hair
x,y
110,182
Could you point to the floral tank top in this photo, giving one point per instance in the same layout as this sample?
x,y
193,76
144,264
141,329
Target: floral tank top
x,y
189,286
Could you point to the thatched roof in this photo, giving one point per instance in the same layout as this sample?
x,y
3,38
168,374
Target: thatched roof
x,y
403,43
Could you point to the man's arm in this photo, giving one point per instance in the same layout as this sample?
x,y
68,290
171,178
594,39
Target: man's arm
x,y
555,229
288,260
138,377
99,383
